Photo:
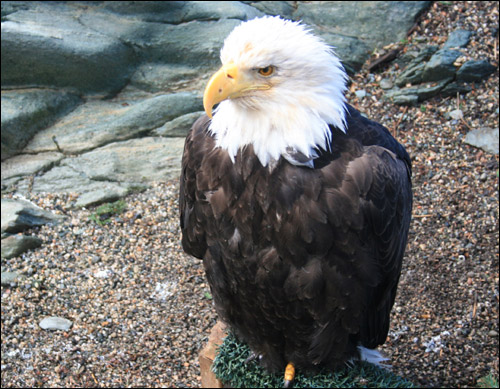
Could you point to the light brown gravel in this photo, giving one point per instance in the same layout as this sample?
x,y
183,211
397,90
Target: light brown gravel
x,y
139,304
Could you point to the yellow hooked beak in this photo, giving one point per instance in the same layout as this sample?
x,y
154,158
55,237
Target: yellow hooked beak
x,y
227,83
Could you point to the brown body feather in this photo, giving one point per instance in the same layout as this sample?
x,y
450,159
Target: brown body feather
x,y
303,263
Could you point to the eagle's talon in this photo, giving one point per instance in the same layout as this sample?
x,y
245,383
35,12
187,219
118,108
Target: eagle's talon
x,y
289,375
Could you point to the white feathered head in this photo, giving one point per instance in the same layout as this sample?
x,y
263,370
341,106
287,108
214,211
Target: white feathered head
x,y
279,88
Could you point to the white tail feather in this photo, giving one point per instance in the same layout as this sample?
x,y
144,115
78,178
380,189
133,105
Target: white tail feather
x,y
373,356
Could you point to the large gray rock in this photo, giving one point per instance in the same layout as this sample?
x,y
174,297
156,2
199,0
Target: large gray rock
x,y
120,167
98,123
140,69
19,215
441,65
455,87
413,72
100,195
15,245
440,68
138,160
414,94
65,179
196,43
48,46
475,71
352,51
168,43
25,112
285,9
27,164
485,138
376,23
165,78
177,12
457,38
179,126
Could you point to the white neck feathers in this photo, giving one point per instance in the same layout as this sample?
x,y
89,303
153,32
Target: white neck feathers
x,y
300,125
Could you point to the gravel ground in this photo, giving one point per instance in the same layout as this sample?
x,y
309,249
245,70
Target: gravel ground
x,y
141,308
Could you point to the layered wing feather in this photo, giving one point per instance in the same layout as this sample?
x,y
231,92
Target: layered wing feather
x,y
303,263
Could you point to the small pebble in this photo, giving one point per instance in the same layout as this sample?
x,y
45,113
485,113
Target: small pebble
x,y
56,323
9,278
456,114
386,83
360,93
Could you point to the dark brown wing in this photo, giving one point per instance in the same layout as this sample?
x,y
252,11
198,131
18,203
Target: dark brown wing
x,y
366,195
385,202
193,234
311,255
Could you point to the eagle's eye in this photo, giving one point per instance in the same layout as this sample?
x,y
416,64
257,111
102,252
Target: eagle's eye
x,y
267,71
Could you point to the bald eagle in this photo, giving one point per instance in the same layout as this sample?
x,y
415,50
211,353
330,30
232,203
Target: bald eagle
x,y
298,205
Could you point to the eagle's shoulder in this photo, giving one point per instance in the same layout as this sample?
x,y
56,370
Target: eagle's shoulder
x,y
370,132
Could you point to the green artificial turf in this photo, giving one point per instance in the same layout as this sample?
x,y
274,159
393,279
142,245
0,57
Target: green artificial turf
x,y
230,367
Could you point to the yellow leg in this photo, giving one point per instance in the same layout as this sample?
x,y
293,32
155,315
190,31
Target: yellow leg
x,y
289,375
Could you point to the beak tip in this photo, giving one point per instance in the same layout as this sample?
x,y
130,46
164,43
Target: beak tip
x,y
207,106
208,112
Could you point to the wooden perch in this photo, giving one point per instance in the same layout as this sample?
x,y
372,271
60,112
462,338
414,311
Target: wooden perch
x,y
207,356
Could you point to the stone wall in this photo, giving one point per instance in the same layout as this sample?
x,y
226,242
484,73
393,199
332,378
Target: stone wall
x,y
98,96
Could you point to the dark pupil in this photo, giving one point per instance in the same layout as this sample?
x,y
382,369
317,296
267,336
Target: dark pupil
x,y
267,69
